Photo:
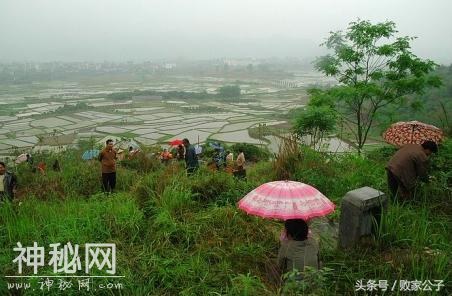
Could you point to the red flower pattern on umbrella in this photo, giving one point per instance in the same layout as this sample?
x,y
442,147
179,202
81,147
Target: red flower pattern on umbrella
x,y
412,132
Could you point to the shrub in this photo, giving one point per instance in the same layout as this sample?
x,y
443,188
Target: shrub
x,y
247,285
142,163
261,172
315,282
288,159
252,152
210,186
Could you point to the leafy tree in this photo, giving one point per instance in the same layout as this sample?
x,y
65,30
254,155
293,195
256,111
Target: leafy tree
x,y
315,121
229,91
374,69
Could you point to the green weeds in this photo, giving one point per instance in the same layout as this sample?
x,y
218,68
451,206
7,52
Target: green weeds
x,y
183,235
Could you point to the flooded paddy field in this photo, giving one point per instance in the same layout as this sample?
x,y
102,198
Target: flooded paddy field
x,y
32,112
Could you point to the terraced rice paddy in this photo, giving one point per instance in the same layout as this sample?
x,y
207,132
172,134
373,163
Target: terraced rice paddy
x,y
241,136
153,121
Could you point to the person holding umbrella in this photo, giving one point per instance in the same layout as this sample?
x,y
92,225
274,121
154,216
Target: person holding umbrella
x,y
406,166
295,203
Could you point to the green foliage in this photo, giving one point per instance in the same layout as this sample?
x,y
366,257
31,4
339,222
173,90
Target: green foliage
x,y
314,282
114,219
77,177
432,107
141,163
375,69
217,187
66,108
318,98
261,172
316,122
252,152
229,91
89,144
184,235
287,161
175,199
441,166
247,285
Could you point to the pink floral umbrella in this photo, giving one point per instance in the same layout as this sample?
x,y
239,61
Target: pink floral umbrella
x,y
286,200
412,132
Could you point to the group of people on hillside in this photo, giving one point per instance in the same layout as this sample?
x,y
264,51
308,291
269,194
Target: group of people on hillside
x,y
224,160
177,153
41,167
186,152
406,166
221,160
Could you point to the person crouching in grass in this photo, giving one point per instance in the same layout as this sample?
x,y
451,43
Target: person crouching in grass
x,y
298,250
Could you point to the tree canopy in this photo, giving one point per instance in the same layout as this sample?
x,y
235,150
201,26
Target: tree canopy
x,y
316,122
229,91
374,69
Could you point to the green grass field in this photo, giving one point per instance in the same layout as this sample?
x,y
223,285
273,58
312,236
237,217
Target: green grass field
x,y
179,235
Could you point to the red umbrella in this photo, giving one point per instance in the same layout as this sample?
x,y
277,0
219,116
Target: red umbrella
x,y
412,132
176,142
286,200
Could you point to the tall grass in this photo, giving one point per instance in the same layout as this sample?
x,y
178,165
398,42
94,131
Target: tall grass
x,y
183,235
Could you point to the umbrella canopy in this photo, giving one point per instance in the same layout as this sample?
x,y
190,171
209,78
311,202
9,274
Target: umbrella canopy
x,y
21,158
286,200
412,132
90,154
176,142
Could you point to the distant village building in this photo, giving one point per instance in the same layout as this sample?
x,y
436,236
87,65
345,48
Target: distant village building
x,y
190,107
169,66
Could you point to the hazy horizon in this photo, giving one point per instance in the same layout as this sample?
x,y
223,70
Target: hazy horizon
x,y
138,30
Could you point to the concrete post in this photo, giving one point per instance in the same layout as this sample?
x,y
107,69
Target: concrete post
x,y
359,207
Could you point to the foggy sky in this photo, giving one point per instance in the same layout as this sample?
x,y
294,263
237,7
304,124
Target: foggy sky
x,y
120,30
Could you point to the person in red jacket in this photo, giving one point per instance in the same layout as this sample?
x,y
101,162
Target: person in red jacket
x,y
165,156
